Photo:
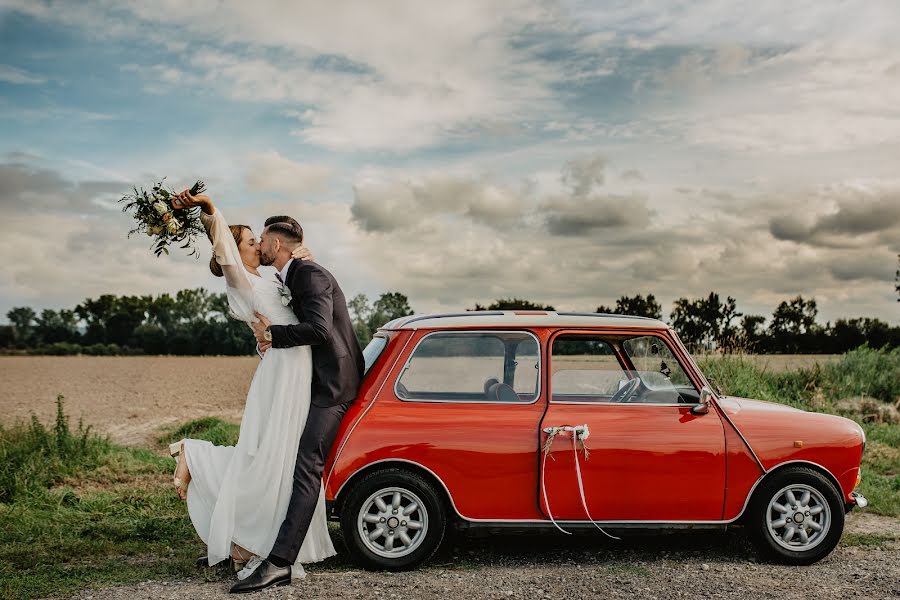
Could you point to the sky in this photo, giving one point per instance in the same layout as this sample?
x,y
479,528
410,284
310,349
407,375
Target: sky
x,y
459,152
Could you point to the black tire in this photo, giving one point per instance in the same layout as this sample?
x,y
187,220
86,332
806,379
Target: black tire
x,y
766,539
431,511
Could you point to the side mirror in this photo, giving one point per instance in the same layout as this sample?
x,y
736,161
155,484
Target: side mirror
x,y
703,407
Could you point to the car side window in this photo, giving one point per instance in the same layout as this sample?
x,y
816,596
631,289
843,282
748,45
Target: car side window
x,y
585,369
650,355
486,366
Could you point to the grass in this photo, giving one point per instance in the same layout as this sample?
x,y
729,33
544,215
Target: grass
x,y
859,374
78,511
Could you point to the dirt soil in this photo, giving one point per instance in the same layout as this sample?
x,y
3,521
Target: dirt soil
x,y
554,566
127,397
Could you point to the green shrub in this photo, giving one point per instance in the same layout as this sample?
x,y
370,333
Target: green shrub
x,y
865,372
211,429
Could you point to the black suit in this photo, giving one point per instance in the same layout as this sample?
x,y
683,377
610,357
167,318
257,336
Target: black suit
x,y
338,368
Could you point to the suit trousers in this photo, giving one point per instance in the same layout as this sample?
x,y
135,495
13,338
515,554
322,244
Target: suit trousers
x,y
315,444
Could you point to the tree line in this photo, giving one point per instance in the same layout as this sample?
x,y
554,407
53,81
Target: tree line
x,y
711,323
197,322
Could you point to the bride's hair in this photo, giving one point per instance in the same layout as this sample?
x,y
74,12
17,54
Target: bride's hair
x,y
236,231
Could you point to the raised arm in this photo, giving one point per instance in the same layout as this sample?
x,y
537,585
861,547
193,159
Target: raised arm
x,y
238,286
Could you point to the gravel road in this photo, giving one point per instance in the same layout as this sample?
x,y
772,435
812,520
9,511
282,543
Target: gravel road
x,y
555,566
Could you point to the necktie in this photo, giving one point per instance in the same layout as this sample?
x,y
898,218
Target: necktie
x,y
278,277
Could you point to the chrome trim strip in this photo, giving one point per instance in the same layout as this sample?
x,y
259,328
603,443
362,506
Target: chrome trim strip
x,y
679,404
741,435
573,521
365,412
540,372
587,314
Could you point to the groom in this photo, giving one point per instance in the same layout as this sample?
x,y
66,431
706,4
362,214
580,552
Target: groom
x,y
338,365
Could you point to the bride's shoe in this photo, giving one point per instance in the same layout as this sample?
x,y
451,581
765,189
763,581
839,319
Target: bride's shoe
x,y
175,448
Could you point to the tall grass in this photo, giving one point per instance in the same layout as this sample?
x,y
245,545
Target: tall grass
x,y
34,457
78,511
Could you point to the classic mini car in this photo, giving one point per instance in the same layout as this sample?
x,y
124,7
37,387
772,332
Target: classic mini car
x,y
567,420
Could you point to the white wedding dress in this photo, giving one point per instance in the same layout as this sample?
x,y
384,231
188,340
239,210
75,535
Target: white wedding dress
x,y
240,493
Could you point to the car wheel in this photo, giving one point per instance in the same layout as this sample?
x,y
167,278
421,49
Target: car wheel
x,y
393,519
795,517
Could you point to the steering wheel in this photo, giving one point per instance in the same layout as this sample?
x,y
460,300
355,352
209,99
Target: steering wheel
x,y
624,393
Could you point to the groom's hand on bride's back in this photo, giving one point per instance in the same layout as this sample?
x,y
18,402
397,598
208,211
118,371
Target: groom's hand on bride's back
x,y
262,347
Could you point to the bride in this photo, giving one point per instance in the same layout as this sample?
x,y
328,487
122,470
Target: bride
x,y
237,496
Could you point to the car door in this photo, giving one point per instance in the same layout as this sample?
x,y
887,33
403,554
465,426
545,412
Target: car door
x,y
649,458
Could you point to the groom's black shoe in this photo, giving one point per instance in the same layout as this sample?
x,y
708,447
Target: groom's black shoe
x,y
265,575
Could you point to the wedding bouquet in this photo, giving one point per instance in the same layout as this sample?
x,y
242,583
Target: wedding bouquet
x,y
155,216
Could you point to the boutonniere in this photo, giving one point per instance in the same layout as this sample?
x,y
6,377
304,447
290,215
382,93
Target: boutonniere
x,y
286,298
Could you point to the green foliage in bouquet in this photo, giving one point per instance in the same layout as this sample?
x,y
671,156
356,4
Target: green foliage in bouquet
x,y
155,216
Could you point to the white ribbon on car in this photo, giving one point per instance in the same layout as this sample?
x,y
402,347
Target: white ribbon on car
x,y
579,434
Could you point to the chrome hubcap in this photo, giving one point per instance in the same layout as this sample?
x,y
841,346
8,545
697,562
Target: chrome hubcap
x,y
392,522
798,517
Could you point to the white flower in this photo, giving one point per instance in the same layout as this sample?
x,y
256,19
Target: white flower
x,y
173,225
160,207
582,432
286,298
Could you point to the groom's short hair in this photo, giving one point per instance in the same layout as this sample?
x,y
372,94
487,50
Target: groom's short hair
x,y
285,226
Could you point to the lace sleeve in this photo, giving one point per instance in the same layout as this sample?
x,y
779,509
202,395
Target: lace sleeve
x,y
238,286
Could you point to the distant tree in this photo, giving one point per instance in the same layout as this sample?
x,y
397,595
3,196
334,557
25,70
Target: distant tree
x,y
192,305
389,306
751,333
22,319
53,327
794,326
706,323
128,312
161,311
360,312
95,314
367,319
7,336
513,304
635,305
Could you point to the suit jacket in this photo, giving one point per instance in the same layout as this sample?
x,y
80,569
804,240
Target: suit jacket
x,y
325,324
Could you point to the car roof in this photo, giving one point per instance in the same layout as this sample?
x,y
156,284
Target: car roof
x,y
521,318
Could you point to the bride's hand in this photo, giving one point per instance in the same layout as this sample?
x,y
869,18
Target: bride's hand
x,y
301,252
186,200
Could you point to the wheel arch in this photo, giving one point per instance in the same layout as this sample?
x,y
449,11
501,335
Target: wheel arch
x,y
394,463
782,467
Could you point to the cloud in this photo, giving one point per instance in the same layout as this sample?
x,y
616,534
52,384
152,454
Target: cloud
x,y
583,174
394,84
579,216
18,76
271,172
858,219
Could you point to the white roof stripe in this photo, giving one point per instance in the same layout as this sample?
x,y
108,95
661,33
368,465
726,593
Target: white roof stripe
x,y
510,318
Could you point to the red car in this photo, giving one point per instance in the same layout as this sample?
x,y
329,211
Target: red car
x,y
569,420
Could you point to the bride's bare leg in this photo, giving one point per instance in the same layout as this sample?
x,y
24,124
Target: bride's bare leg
x,y
182,475
240,554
